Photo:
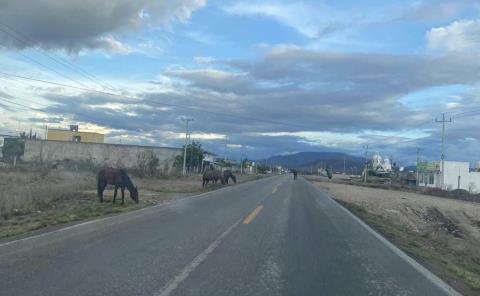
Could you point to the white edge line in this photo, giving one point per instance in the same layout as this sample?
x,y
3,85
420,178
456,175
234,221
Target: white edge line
x,y
117,215
420,268
171,285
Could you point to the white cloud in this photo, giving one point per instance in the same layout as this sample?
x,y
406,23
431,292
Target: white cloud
x,y
202,37
204,60
301,17
431,10
463,35
115,46
172,10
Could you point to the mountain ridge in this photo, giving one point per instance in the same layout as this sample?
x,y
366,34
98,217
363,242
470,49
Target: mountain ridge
x,y
311,160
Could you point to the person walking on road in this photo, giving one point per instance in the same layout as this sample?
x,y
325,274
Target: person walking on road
x,y
294,174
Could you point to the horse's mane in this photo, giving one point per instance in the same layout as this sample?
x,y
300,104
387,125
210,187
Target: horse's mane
x,y
126,179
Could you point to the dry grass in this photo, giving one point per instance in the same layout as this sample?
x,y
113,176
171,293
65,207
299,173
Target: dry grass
x,y
27,190
33,199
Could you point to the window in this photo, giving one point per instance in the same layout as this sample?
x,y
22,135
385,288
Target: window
x,y
430,179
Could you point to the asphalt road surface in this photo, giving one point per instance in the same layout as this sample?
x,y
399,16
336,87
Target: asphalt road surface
x,y
273,236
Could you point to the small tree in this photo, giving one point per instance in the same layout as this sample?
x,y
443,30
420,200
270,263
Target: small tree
x,y
13,148
147,163
195,155
262,168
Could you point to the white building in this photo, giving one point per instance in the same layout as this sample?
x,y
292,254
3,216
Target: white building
x,y
457,176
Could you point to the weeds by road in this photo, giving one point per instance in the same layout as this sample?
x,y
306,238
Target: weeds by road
x,y
64,197
442,234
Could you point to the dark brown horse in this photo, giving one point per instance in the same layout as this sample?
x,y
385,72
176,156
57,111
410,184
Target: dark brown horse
x,y
213,176
119,179
227,175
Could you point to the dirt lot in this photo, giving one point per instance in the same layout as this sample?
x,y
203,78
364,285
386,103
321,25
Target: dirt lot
x,y
443,234
31,200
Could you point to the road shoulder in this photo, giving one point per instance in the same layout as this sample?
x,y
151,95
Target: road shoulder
x,y
442,263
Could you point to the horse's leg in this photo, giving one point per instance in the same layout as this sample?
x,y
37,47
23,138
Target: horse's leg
x,y
115,194
101,188
123,195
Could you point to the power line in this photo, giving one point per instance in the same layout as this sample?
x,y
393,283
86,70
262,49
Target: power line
x,y
141,100
59,60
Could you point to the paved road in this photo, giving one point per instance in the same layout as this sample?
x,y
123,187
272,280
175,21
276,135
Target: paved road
x,y
273,236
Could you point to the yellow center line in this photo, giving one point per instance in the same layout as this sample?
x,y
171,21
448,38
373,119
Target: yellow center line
x,y
252,215
275,189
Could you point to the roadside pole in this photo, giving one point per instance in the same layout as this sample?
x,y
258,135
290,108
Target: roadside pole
x,y
416,169
366,165
184,172
443,121
226,143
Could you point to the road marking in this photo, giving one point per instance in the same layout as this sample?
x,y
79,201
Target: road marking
x,y
252,215
275,189
183,275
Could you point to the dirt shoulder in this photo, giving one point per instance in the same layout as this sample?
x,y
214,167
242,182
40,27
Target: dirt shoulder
x,y
443,234
80,203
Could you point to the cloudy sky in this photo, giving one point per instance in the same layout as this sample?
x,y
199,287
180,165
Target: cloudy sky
x,y
274,77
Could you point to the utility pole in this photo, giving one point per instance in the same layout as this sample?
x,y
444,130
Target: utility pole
x,y
241,160
226,142
416,170
344,168
191,167
184,171
443,121
366,165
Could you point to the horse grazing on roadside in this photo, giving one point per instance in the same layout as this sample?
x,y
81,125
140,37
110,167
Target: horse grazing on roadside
x,y
119,179
213,176
227,174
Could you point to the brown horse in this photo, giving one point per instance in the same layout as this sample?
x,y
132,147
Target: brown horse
x,y
213,176
117,178
227,175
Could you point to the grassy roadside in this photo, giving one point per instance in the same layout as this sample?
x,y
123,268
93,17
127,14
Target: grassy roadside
x,y
84,205
462,271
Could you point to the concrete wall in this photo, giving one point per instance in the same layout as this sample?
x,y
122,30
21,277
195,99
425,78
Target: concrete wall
x,y
456,173
113,155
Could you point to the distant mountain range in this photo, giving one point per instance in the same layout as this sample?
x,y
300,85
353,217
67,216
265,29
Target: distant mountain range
x,y
315,160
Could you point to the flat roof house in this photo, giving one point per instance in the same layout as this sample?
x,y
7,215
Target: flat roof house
x,y
73,135
457,175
